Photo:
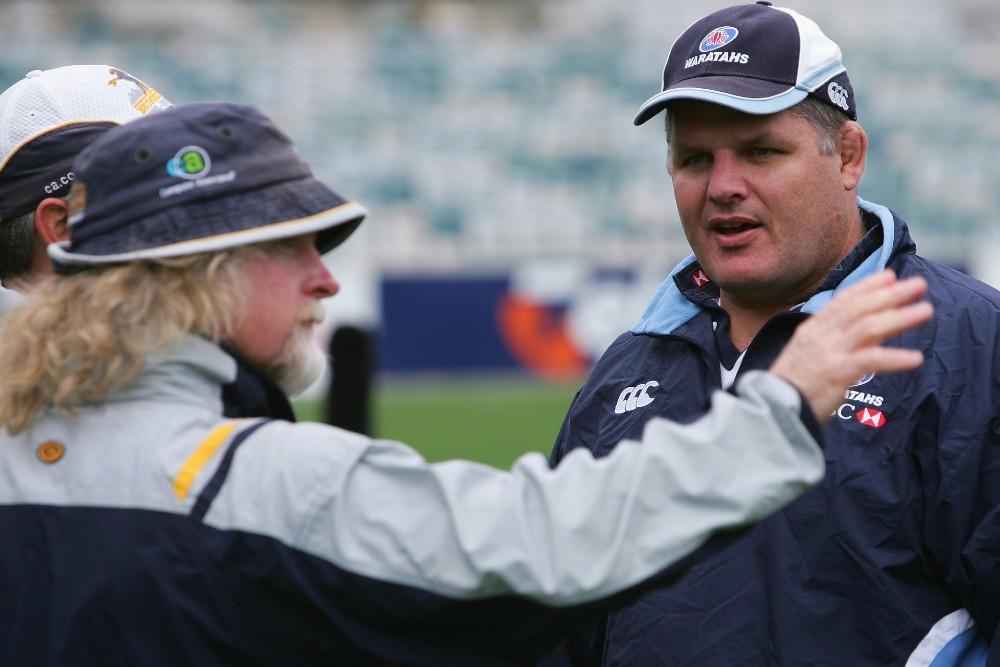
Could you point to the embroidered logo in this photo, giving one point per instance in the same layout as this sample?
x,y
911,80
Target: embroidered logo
x,y
718,38
635,397
871,417
863,406
838,95
143,97
864,379
190,162
700,278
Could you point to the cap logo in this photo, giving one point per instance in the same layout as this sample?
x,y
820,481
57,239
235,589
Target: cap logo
x,y
838,95
190,162
718,38
59,183
144,97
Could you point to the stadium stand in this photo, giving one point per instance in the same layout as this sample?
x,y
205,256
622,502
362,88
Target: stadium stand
x,y
483,134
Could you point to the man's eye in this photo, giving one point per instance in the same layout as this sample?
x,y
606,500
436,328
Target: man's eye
x,y
695,159
761,151
285,247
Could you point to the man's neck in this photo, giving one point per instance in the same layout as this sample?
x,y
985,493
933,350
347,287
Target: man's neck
x,y
745,323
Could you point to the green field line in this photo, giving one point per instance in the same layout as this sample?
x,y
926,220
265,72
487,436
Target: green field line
x,y
493,422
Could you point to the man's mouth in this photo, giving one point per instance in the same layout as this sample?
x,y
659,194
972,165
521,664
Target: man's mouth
x,y
733,232
732,226
312,316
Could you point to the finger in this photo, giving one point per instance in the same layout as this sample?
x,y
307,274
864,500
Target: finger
x,y
878,326
863,302
874,281
852,310
884,360
849,295
876,292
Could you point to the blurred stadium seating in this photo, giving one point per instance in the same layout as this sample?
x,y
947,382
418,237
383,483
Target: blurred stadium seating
x,y
493,143
481,134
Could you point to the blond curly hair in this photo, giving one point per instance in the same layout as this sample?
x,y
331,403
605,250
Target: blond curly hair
x,y
76,337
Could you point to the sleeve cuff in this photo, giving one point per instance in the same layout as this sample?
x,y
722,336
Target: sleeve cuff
x,y
784,395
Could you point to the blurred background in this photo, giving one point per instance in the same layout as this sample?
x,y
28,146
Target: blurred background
x,y
518,220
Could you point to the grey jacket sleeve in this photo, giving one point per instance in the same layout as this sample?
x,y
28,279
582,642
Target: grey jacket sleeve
x,y
582,531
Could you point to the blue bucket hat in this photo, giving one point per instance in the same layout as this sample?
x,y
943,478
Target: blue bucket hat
x,y
195,178
757,59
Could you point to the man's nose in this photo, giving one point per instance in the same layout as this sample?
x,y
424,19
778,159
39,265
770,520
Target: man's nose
x,y
321,283
328,285
727,180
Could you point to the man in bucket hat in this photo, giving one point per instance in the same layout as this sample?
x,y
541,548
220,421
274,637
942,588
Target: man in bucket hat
x,y
140,526
893,559
46,119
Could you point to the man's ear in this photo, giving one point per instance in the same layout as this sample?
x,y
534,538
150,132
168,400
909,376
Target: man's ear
x,y
52,220
853,147
51,225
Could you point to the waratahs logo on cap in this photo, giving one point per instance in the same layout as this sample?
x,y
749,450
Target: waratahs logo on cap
x,y
718,38
190,162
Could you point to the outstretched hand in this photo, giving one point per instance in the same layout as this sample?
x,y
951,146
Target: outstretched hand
x,y
842,342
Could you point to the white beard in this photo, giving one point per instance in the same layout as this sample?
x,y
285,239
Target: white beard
x,y
301,361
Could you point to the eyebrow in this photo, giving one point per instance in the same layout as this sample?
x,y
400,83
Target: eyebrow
x,y
757,138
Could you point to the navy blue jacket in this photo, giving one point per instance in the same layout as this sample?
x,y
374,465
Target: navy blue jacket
x,y
895,556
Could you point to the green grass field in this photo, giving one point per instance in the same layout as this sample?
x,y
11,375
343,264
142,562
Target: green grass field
x,y
489,420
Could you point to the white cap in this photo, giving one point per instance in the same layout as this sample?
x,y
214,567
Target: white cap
x,y
47,102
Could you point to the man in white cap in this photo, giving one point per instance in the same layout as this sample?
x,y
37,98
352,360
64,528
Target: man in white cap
x,y
894,559
46,119
139,526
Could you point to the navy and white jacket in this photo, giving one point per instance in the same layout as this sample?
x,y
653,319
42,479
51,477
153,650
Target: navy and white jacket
x,y
894,559
152,530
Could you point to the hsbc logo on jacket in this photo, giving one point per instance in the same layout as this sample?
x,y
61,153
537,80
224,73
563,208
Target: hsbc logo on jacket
x,y
863,407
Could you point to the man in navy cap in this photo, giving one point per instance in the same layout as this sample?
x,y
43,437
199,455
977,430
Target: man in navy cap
x,y
894,558
139,525
46,119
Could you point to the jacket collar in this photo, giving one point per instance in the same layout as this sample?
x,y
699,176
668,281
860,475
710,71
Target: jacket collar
x,y
190,371
253,394
683,295
199,371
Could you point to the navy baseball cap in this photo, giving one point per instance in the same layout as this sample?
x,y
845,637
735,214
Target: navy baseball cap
x,y
195,178
49,116
757,59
